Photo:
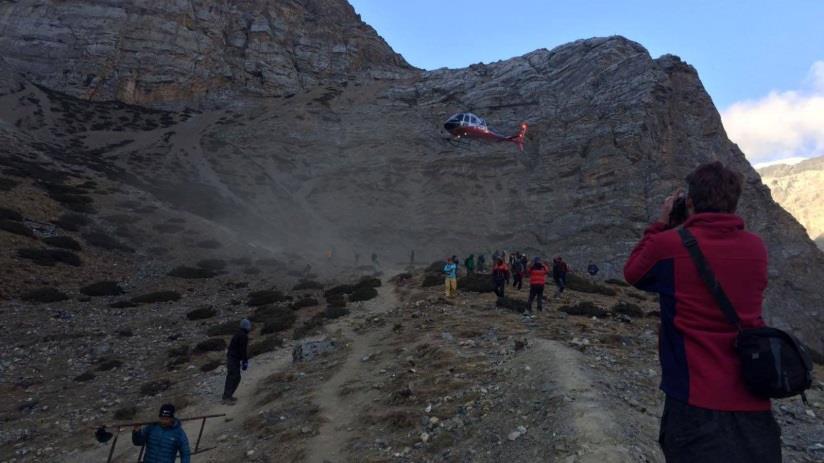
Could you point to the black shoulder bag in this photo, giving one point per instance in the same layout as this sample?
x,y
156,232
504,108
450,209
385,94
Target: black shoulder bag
x,y
774,363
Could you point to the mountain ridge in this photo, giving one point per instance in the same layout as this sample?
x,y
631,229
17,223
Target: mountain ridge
x,y
358,164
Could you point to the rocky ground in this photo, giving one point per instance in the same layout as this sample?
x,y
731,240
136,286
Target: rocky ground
x,y
407,376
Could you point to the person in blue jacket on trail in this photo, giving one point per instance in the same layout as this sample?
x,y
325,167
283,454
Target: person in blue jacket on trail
x,y
450,271
164,439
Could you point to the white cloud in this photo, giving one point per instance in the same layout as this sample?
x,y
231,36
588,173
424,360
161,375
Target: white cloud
x,y
787,161
781,125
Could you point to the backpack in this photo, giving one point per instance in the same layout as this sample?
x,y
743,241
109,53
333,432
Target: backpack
x,y
774,363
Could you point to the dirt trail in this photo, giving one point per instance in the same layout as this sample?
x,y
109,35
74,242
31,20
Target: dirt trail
x,y
206,402
337,412
595,430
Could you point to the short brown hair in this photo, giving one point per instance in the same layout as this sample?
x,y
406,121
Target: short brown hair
x,y
714,188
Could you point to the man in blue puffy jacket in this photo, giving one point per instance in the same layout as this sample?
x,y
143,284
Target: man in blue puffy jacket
x,y
164,439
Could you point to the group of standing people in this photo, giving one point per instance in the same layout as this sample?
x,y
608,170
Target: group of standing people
x,y
510,268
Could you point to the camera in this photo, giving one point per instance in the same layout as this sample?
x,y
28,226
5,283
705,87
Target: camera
x,y
678,214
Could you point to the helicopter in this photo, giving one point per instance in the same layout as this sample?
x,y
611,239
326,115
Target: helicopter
x,y
468,125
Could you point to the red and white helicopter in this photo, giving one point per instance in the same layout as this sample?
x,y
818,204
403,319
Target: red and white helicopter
x,y
468,125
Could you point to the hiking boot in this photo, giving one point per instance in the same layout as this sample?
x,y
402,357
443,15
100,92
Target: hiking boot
x,y
229,400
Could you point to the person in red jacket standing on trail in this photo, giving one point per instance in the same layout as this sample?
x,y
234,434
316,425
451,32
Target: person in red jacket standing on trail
x,y
537,280
709,414
500,276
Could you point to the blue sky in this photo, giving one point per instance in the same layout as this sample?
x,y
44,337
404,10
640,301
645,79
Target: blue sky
x,y
743,50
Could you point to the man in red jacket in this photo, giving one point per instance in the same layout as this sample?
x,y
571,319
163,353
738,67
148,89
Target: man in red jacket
x,y
709,415
537,279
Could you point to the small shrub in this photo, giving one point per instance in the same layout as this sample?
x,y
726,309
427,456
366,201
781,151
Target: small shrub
x,y
191,273
121,219
125,332
251,271
305,285
335,312
7,184
308,326
258,298
224,329
201,314
582,285
337,300
274,318
179,351
104,241
369,282
9,214
44,295
102,288
109,365
431,279
210,365
16,228
269,262
126,413
304,302
267,344
363,293
64,242
339,290
436,267
476,282
72,222
153,388
83,377
67,199
585,309
401,277
65,257
629,309
210,345
157,296
244,261
209,244
81,208
516,305
212,264
49,257
122,304
616,282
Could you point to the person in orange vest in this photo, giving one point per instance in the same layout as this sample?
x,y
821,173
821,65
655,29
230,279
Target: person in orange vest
x,y
537,280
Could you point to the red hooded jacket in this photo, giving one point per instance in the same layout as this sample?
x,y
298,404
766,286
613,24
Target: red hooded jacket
x,y
537,274
698,360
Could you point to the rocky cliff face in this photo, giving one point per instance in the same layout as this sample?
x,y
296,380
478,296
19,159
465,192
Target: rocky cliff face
x,y
190,52
800,190
332,165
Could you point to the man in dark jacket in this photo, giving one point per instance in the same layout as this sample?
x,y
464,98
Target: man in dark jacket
x,y
517,273
709,414
164,439
559,273
237,358
481,263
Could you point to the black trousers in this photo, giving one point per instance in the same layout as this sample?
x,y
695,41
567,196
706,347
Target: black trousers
x,y
560,282
691,434
232,377
517,280
536,291
499,287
